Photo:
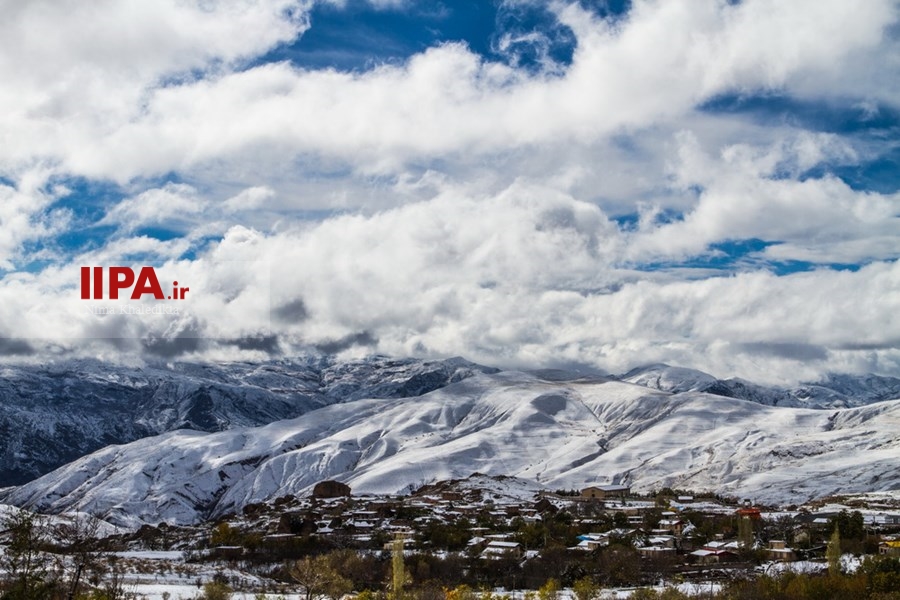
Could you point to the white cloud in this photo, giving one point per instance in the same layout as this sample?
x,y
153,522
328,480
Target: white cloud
x,y
174,204
523,277
745,194
249,199
74,72
479,194
20,216
654,66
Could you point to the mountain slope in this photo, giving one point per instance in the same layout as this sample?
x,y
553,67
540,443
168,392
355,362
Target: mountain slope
x,y
53,414
560,434
834,391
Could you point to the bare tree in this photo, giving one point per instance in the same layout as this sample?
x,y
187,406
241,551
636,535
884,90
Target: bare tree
x,y
319,578
26,561
79,539
108,574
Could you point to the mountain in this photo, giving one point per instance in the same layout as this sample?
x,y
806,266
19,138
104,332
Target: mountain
x,y
53,414
833,391
557,433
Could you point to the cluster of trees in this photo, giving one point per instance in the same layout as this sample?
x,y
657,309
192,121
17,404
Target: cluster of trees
x,y
877,579
66,560
346,569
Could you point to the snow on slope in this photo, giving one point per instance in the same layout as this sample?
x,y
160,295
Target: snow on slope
x,y
52,414
661,376
833,391
502,489
559,434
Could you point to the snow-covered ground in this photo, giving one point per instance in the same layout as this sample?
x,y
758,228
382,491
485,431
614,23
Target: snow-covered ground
x,y
188,592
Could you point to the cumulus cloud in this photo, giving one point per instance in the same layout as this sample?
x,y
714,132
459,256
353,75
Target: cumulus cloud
x,y
454,203
249,199
174,204
519,279
748,192
658,63
74,72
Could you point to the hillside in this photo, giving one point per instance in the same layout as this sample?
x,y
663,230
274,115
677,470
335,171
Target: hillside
x,y
555,433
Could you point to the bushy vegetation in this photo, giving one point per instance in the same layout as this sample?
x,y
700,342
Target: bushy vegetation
x,y
877,579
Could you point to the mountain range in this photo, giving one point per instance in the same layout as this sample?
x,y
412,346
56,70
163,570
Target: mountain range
x,y
389,426
54,413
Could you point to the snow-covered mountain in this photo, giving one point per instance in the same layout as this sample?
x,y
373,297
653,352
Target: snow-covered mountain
x,y
53,414
834,391
554,432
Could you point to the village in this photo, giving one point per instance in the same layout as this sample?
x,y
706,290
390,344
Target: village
x,y
499,533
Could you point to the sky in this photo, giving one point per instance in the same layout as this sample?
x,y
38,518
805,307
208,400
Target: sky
x,y
587,184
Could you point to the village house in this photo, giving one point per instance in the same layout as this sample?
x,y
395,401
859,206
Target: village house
x,y
658,545
715,552
749,512
673,526
882,521
602,492
778,550
709,556
591,541
889,548
496,549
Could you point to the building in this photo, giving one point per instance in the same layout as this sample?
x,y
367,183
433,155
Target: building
x,y
716,552
709,556
889,548
592,541
497,549
674,526
778,550
749,512
602,492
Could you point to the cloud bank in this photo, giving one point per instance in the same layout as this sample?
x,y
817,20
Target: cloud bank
x,y
703,183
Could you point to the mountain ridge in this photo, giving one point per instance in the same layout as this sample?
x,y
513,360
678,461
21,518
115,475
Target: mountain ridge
x,y
555,433
832,391
53,414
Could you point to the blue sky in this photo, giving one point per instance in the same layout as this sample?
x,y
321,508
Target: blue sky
x,y
555,183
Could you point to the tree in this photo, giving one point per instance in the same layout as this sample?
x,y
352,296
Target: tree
x,y
850,525
461,592
549,591
79,539
619,565
363,571
882,574
225,535
319,578
398,570
833,553
585,589
26,564
110,578
216,590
